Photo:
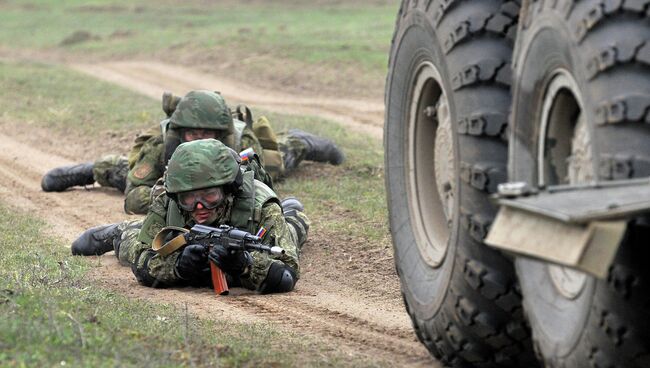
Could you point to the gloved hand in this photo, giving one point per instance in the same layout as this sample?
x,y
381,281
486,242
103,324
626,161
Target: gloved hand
x,y
234,264
192,263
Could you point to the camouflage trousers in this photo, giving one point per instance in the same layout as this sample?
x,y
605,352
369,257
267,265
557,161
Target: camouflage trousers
x,y
129,247
298,226
293,150
111,171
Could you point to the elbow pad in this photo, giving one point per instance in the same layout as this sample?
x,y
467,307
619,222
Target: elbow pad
x,y
279,279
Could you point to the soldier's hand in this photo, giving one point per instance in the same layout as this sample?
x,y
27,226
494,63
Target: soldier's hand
x,y
234,264
192,263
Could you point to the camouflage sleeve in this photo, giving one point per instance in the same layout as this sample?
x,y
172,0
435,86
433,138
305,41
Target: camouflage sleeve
x,y
150,268
137,200
148,166
139,142
278,234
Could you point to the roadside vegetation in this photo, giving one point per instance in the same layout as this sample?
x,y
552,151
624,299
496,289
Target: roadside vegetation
x,y
51,315
326,42
52,97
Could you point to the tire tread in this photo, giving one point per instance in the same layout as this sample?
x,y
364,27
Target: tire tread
x,y
480,323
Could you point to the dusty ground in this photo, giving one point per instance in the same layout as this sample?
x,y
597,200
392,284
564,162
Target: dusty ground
x,y
350,302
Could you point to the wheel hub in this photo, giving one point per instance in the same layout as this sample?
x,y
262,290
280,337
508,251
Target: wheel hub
x,y
431,171
565,157
444,159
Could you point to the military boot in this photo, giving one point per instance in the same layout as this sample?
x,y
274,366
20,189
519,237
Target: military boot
x,y
318,148
292,203
295,217
97,240
62,178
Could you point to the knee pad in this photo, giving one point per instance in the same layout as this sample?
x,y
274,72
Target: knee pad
x,y
280,279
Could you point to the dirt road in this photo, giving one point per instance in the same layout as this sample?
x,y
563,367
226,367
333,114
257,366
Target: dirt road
x,y
152,78
356,310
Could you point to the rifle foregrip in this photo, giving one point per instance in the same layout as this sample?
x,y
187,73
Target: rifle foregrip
x,y
218,280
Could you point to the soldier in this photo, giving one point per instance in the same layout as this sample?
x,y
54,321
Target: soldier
x,y
205,185
200,114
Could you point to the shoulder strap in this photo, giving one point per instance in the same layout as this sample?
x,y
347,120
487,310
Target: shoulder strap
x,y
243,205
263,195
174,215
246,212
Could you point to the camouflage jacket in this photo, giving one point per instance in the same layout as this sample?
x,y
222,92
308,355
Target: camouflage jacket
x,y
154,270
147,165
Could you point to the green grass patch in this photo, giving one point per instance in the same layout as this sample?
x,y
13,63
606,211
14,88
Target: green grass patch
x,y
56,97
356,188
51,315
319,32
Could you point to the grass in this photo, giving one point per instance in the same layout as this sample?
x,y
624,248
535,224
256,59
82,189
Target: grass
x,y
54,97
356,188
51,315
356,33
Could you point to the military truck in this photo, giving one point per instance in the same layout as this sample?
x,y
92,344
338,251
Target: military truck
x,y
517,142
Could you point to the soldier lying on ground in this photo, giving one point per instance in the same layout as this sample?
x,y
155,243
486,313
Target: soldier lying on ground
x,y
206,185
200,114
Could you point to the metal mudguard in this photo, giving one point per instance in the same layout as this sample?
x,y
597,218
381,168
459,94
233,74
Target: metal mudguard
x,y
577,226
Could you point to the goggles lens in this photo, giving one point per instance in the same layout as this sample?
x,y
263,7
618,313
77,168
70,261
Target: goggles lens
x,y
196,134
209,198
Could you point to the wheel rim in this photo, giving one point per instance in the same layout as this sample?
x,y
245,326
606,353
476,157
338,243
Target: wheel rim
x,y
430,187
564,157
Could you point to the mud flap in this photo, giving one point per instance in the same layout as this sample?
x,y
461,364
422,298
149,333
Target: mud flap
x,y
575,226
590,248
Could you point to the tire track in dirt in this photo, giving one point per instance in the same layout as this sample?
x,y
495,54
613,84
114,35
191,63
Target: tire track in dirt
x,y
340,315
322,321
153,78
70,212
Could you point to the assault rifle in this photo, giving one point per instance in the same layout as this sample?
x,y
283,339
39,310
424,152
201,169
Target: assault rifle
x,y
234,240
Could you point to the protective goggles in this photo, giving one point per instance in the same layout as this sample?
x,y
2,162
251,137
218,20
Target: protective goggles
x,y
190,134
209,198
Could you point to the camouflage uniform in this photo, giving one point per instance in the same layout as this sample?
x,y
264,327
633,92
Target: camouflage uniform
x,y
138,173
253,206
147,159
149,166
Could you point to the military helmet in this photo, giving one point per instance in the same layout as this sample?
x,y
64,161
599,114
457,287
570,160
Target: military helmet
x,y
202,110
201,164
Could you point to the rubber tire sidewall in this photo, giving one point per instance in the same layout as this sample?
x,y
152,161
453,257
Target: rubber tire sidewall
x,y
424,287
558,323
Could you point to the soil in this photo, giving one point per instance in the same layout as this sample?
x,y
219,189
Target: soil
x,y
348,300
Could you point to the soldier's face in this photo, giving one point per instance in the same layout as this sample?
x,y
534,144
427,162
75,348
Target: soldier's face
x,y
204,216
196,134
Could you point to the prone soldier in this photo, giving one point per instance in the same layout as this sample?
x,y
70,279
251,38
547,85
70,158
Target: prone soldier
x,y
205,185
198,115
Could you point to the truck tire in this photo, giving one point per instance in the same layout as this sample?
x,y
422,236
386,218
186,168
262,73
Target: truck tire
x,y
447,104
581,107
